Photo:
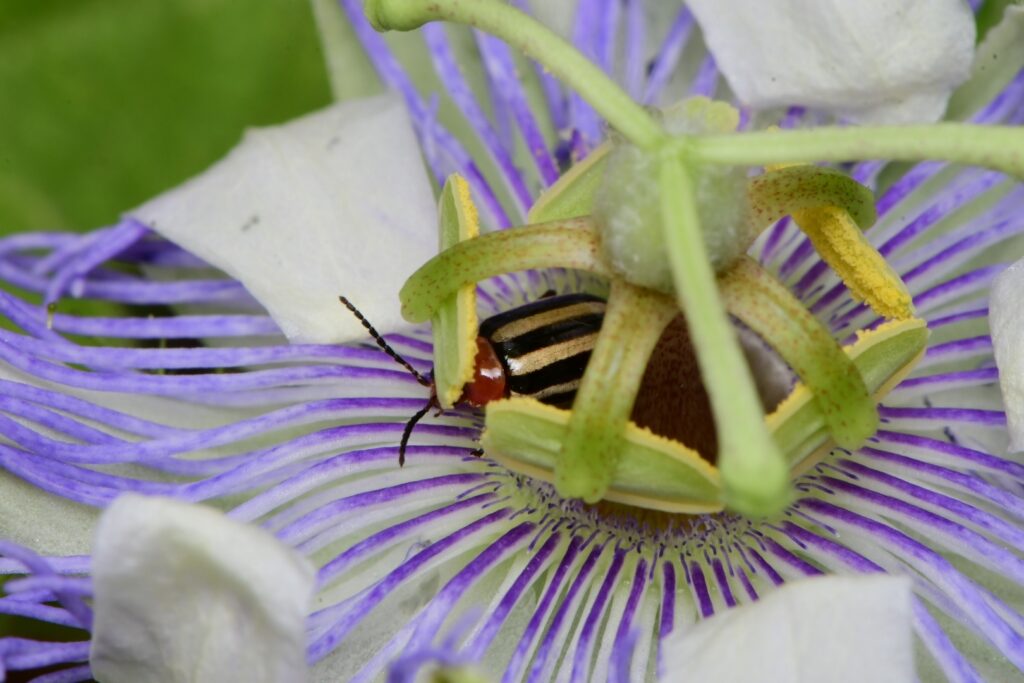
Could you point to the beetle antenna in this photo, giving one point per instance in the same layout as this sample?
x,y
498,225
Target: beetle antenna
x,y
388,350
408,430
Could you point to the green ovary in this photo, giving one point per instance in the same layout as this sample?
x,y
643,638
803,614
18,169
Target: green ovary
x,y
627,209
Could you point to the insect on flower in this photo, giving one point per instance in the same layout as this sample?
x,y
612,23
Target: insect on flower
x,y
538,350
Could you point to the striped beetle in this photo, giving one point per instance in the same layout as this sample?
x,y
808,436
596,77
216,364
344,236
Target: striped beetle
x,y
538,350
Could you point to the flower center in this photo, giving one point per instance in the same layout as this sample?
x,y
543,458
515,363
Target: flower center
x,y
655,523
673,401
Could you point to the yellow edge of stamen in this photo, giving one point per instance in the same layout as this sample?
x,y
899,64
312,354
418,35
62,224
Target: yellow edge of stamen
x,y
634,435
614,496
642,436
870,278
468,324
466,321
813,458
469,217
801,395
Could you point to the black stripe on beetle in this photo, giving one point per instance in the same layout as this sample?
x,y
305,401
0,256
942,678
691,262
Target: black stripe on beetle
x,y
544,346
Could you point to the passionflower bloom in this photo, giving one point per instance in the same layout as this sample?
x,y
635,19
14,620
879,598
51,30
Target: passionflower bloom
x,y
213,376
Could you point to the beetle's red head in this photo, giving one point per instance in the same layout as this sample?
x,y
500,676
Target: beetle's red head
x,y
488,383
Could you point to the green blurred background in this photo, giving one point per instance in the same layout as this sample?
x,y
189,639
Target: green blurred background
x,y
105,103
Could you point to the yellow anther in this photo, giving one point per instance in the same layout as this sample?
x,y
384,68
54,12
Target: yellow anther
x,y
842,245
839,241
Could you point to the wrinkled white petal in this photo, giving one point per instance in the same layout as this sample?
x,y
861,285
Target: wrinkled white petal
x,y
822,630
185,594
872,61
1006,322
334,203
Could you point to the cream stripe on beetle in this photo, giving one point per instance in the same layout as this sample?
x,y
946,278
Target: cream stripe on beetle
x,y
554,389
533,322
538,360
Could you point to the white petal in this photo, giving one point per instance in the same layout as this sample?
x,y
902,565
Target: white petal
x,y
871,60
822,630
48,524
1006,322
184,593
334,203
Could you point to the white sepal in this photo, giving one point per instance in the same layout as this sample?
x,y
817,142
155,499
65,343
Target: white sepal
x,y
871,61
185,594
1006,322
834,629
334,203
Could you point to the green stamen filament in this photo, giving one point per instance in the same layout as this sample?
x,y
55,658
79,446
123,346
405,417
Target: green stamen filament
x,y
633,322
759,300
455,325
784,190
563,244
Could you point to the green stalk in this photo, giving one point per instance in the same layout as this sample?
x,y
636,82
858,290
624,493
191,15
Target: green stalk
x,y
997,147
754,474
536,41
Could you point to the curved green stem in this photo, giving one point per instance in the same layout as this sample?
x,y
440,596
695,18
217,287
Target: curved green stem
x,y
536,41
783,191
594,441
754,473
997,147
572,244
